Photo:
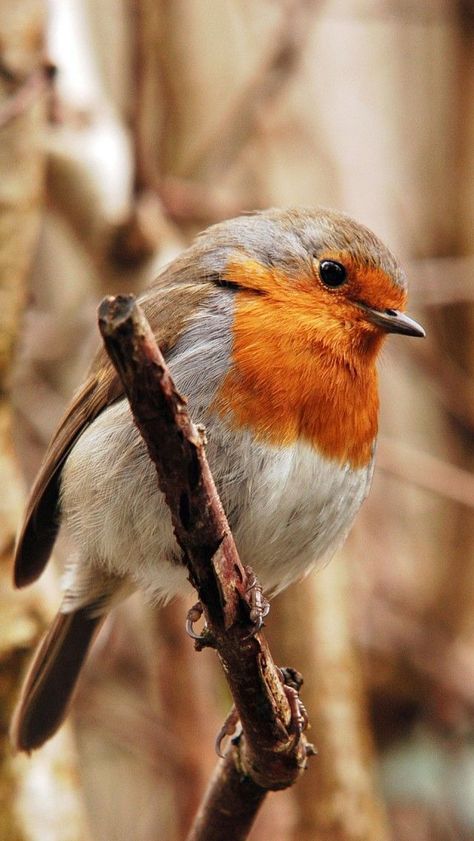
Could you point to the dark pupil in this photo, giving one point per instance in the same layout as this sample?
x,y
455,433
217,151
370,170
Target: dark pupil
x,y
332,273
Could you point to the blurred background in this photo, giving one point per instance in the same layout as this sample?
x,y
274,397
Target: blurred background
x,y
125,127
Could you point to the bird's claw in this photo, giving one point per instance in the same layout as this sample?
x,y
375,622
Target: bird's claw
x,y
228,729
292,683
204,640
194,614
256,602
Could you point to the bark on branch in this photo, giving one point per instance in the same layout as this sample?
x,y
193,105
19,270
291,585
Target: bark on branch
x,y
270,755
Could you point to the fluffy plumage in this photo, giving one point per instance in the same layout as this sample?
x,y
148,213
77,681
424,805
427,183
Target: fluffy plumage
x,y
280,369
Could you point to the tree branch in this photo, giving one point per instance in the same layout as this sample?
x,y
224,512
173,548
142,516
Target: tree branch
x,y
230,804
271,753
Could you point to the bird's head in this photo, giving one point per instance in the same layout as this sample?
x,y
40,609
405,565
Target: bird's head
x,y
330,276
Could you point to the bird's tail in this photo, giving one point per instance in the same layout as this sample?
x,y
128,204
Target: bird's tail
x,y
52,677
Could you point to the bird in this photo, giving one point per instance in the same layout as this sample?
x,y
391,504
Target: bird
x,y
271,324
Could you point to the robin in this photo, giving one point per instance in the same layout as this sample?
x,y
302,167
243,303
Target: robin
x,y
271,324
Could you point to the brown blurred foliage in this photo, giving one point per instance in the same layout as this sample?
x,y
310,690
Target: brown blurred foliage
x,y
161,118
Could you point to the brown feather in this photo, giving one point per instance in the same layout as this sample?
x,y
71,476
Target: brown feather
x,y
52,677
168,305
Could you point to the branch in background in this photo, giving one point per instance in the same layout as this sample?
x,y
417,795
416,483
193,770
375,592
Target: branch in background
x,y
133,241
177,677
25,813
27,92
425,470
405,654
437,283
338,798
150,116
191,201
185,199
127,722
268,755
113,246
276,69
441,281
450,382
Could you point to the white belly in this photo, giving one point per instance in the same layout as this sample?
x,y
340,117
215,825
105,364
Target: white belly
x,y
294,507
288,508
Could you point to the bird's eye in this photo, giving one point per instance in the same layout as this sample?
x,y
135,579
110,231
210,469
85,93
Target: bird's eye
x,y
332,274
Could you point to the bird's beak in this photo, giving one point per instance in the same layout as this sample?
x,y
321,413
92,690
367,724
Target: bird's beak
x,y
393,321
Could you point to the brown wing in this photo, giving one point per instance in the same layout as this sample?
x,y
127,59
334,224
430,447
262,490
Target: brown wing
x,y
40,525
168,309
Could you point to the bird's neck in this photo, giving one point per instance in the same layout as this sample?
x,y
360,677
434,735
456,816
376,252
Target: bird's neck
x,y
287,384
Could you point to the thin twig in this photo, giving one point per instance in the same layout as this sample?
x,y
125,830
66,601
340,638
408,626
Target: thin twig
x,y
215,821
448,380
26,94
275,71
441,281
425,471
269,755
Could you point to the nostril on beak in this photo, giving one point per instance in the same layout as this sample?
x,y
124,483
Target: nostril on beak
x,y
392,321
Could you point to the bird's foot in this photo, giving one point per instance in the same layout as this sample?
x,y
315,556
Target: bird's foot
x,y
203,640
292,683
258,605
228,729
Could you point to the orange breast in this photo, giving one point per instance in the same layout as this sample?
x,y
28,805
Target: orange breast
x,y
287,385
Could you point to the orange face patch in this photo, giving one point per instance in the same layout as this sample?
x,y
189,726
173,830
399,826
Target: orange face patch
x,y
368,284
304,361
